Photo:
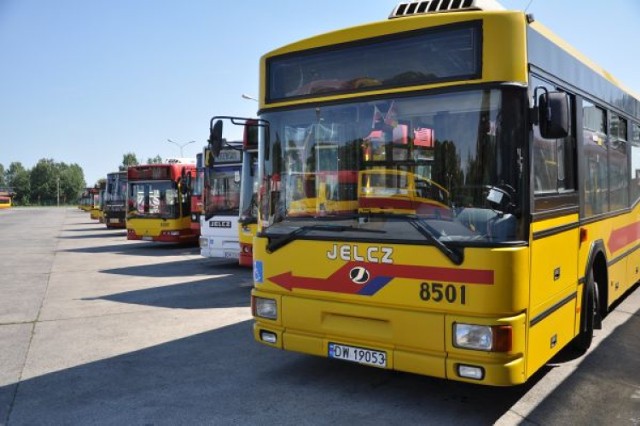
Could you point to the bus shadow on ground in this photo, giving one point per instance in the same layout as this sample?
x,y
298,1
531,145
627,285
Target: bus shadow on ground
x,y
85,229
224,377
131,248
106,234
219,292
182,268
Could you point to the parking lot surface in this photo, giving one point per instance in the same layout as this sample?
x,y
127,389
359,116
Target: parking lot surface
x,y
95,329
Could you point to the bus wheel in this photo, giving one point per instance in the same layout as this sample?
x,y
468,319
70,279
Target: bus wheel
x,y
582,341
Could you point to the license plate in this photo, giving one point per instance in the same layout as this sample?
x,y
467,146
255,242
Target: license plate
x,y
115,220
231,255
147,238
359,355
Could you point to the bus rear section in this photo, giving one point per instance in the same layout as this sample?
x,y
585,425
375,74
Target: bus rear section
x,y
158,205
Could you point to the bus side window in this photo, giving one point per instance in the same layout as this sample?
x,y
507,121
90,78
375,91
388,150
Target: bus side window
x,y
618,163
635,162
596,194
554,166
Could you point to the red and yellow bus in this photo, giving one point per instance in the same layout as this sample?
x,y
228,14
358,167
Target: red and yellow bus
x,y
196,185
158,203
497,194
6,197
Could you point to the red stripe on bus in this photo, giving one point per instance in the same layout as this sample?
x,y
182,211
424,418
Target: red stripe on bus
x,y
340,281
623,236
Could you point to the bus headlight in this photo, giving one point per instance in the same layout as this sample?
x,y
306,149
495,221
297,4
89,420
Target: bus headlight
x,y
482,337
264,308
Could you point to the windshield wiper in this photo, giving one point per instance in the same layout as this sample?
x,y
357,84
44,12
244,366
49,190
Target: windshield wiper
x,y
277,243
456,256
429,233
208,216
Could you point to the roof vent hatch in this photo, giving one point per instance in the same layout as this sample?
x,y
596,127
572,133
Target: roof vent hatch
x,y
412,8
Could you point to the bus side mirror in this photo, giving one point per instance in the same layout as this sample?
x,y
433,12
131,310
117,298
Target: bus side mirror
x,y
215,138
553,115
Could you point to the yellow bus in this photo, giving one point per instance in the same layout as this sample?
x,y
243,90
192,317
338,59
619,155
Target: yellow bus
x,y
506,221
86,200
158,202
6,196
97,203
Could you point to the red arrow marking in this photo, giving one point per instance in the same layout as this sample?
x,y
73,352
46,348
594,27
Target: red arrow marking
x,y
339,281
623,236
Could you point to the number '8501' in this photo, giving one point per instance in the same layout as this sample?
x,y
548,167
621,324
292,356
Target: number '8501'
x,y
439,292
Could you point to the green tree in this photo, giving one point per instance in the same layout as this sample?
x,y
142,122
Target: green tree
x,y
155,160
44,182
3,181
72,182
19,179
128,159
52,183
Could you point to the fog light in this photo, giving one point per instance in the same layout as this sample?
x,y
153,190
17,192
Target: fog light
x,y
269,337
470,372
265,308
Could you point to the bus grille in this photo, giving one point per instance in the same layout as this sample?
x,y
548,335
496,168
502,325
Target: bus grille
x,y
412,8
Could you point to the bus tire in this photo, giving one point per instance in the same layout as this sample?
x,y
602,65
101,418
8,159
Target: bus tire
x,y
583,340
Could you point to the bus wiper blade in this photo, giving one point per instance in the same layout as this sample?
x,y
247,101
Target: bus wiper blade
x,y
425,230
275,244
454,255
208,216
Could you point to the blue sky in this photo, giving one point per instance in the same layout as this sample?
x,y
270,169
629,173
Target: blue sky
x,y
87,81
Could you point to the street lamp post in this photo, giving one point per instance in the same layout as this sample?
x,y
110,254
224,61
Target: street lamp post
x,y
249,97
181,146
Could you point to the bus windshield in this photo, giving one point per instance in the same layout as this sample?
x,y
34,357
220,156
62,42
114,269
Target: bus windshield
x,y
452,160
153,199
223,191
116,188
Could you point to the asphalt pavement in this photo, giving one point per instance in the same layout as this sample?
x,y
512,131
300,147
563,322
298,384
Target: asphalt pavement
x,y
95,329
